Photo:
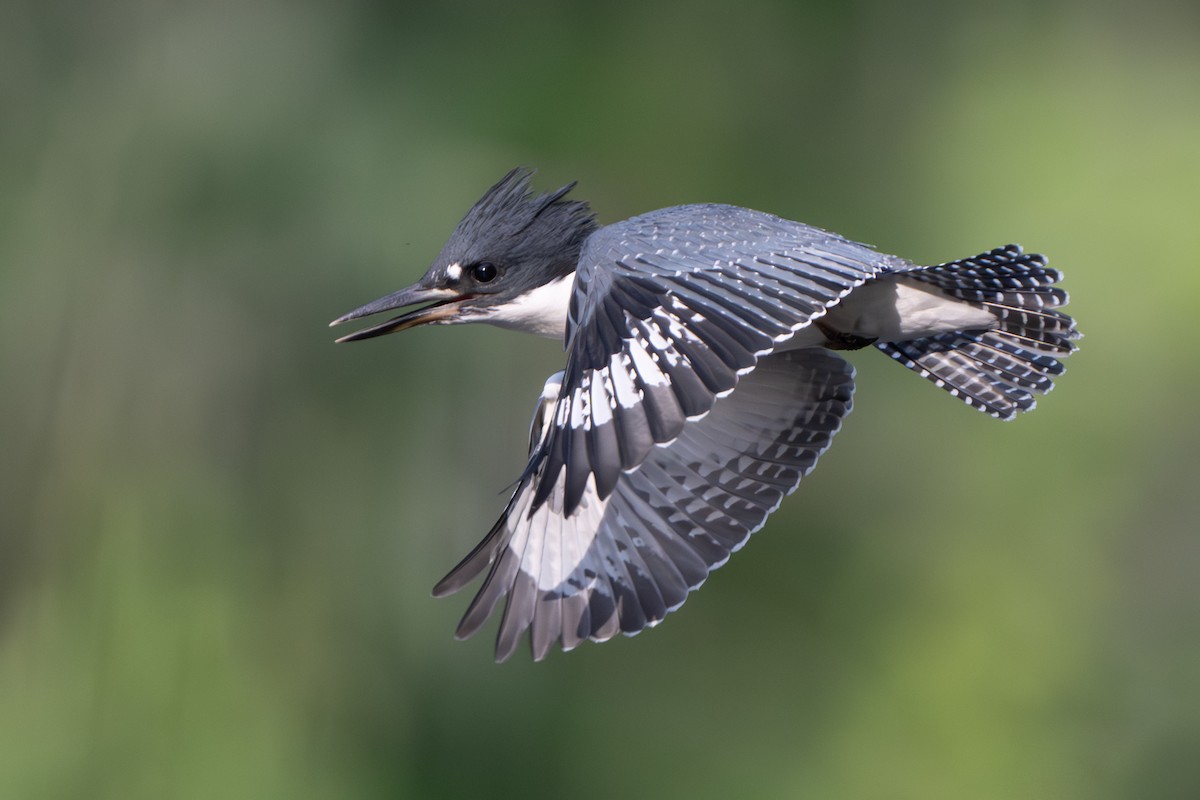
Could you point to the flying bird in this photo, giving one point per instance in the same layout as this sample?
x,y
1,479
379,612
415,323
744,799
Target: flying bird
x,y
701,384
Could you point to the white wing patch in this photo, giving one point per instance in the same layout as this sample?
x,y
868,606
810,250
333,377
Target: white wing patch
x,y
624,390
621,563
641,352
564,540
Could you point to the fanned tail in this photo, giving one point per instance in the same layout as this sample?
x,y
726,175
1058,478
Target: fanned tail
x,y
998,371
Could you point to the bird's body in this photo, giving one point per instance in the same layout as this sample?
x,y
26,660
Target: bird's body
x,y
887,310
700,386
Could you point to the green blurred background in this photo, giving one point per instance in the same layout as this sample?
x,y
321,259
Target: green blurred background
x,y
218,530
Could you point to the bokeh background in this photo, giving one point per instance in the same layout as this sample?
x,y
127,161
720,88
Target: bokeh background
x,y
218,530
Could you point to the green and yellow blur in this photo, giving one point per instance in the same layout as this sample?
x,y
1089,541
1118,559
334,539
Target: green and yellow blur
x,y
219,530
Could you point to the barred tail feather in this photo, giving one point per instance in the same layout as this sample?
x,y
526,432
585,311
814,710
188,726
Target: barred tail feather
x,y
998,371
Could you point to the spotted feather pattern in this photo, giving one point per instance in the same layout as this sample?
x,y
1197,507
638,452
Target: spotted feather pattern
x,y
621,563
669,311
997,371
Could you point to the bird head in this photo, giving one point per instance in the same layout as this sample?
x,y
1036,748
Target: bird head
x,y
509,244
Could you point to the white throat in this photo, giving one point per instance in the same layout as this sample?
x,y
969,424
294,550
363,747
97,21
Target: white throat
x,y
542,312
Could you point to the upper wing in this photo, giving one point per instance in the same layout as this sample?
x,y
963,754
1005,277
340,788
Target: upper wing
x,y
622,562
669,310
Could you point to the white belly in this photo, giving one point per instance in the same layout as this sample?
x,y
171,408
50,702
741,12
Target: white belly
x,y
899,309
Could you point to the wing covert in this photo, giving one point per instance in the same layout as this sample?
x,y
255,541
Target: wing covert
x,y
670,309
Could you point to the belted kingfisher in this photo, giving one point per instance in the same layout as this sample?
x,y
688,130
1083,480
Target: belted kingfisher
x,y
700,384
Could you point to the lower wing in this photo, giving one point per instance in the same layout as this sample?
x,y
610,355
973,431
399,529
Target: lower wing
x,y
621,563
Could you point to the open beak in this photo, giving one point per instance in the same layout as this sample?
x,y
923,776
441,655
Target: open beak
x,y
443,305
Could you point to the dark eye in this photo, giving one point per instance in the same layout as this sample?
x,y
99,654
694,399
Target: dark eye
x,y
484,272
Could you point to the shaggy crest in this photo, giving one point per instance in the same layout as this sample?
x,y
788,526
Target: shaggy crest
x,y
512,224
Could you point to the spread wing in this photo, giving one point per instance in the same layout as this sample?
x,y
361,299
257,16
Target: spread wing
x,y
620,562
669,310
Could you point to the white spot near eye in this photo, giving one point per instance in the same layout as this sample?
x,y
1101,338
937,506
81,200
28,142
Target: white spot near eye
x,y
454,272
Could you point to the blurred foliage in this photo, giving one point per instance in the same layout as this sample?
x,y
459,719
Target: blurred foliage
x,y
218,531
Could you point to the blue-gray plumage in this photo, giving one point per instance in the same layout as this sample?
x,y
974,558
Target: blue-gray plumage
x,y
699,386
